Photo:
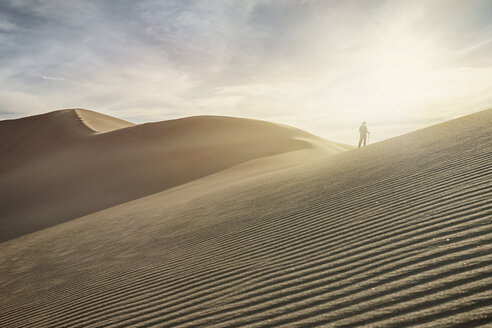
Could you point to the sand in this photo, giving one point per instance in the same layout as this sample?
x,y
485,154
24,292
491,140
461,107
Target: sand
x,y
396,234
57,168
100,123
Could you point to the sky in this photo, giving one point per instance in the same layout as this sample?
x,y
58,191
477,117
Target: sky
x,y
319,65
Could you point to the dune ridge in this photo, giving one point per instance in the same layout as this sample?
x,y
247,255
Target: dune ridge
x,y
101,123
396,234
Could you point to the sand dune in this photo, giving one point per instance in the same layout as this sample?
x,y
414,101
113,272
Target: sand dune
x,y
65,164
396,234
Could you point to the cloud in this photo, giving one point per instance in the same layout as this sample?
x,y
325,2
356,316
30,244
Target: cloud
x,y
53,78
320,65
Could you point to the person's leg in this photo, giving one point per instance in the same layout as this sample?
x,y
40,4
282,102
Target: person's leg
x,y
365,139
360,140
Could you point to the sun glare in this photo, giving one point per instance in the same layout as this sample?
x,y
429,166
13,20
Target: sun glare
x,y
393,80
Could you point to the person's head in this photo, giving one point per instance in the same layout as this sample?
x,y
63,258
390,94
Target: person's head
x,y
364,123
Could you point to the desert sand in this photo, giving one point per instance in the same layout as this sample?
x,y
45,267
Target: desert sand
x,y
226,222
65,164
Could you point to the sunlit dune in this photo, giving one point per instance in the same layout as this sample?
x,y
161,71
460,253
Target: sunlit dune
x,y
101,123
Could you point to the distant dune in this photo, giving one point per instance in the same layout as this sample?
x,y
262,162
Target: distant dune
x,y
68,163
284,233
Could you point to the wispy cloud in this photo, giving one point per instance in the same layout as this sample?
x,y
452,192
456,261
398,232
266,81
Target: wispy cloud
x,y
53,78
319,65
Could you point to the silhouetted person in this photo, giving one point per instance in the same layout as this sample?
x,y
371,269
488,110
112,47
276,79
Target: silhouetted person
x,y
363,134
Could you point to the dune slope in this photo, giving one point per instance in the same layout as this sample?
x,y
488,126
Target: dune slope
x,y
101,123
396,234
65,164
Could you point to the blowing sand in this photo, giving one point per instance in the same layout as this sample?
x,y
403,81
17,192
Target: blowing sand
x,y
297,232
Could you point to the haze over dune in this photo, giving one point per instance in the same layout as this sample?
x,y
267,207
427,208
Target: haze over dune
x,y
281,233
65,164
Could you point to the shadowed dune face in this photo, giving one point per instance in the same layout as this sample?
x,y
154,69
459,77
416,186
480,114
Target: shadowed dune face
x,y
395,234
69,163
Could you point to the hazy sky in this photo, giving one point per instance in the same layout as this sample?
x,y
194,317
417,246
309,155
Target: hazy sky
x,y
320,65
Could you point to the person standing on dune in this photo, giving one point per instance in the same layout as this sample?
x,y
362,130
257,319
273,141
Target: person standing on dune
x,y
363,134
